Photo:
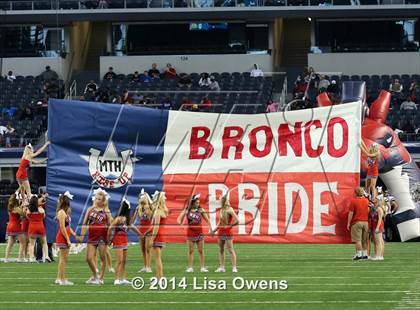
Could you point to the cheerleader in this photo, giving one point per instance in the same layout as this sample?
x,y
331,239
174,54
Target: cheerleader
x,y
13,230
158,236
24,226
227,219
372,171
194,214
22,172
62,239
96,223
36,229
376,227
144,212
118,233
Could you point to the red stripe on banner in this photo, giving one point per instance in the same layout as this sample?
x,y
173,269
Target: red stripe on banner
x,y
273,208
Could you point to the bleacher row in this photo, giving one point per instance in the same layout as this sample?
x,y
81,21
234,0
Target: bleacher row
x,y
374,83
237,89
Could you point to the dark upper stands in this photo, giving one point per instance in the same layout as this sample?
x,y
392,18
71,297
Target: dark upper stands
x,y
117,4
20,107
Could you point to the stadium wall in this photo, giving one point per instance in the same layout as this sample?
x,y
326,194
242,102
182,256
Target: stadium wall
x,y
35,65
366,63
187,63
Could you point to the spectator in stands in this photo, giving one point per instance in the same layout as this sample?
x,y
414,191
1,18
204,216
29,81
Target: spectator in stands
x,y
408,104
5,133
333,88
126,98
299,89
167,104
10,76
90,90
26,114
414,87
103,4
185,81
271,106
6,129
49,74
214,85
136,77
170,72
110,75
256,72
154,71
146,78
395,87
323,84
195,108
186,104
204,80
206,103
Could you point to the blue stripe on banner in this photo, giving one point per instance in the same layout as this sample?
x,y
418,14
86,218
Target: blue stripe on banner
x,y
406,215
110,143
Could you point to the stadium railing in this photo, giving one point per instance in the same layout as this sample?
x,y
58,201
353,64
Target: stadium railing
x,y
128,4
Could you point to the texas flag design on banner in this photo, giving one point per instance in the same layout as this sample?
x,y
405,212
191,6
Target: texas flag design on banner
x,y
290,175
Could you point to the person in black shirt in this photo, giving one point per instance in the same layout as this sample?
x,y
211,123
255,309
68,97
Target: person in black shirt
x,y
110,75
154,72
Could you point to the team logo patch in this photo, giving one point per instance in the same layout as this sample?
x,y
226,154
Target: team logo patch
x,y
111,170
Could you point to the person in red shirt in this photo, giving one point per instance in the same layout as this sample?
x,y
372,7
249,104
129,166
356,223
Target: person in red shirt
x,y
36,229
170,72
372,155
195,214
22,172
357,223
13,230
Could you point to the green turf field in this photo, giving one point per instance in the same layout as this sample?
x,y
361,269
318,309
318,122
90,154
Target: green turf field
x,y
319,277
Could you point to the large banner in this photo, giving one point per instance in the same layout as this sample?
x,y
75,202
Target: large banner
x,y
290,175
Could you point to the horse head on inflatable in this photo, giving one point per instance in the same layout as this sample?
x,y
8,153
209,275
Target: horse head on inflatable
x,y
397,170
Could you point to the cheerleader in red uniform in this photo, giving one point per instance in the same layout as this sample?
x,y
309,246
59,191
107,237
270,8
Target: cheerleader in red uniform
x,y
22,172
13,230
194,214
24,226
96,223
118,233
144,212
158,236
376,227
372,171
227,219
36,229
62,238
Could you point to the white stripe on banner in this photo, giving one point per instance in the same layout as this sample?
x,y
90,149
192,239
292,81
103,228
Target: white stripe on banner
x,y
324,139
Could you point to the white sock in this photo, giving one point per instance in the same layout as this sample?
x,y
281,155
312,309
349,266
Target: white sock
x,y
364,253
359,253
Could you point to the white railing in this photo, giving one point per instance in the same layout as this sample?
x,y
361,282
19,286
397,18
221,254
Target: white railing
x,y
72,91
